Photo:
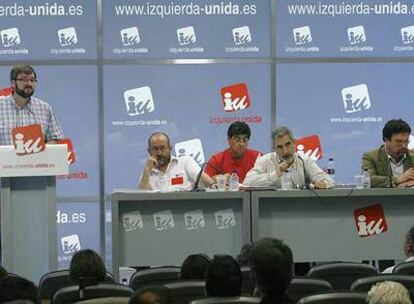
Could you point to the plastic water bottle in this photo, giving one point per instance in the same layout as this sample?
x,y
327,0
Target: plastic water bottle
x,y
366,179
330,168
234,181
286,181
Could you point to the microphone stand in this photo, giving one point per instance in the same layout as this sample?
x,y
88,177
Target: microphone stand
x,y
197,181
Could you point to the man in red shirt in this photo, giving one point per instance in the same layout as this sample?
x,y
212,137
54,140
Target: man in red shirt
x,y
237,157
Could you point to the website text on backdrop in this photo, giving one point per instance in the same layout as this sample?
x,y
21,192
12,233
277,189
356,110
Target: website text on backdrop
x,y
284,163
391,165
166,172
237,157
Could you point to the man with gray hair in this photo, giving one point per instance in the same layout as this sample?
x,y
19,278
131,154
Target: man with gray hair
x,y
388,292
270,168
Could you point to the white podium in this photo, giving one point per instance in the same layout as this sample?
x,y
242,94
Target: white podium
x,y
28,209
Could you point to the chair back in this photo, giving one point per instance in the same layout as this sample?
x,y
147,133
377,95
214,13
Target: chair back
x,y
404,268
335,298
187,291
248,284
301,287
228,300
50,282
342,275
365,284
154,276
110,300
72,294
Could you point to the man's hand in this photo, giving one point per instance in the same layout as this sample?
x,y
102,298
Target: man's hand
x,y
151,163
285,165
406,176
406,184
321,184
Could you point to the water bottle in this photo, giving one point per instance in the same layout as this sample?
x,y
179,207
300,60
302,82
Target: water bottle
x,y
234,181
330,168
366,179
286,181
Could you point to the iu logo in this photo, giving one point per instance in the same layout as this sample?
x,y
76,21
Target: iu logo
x,y
163,220
67,36
309,147
407,34
70,243
194,220
302,35
356,98
6,91
71,157
186,35
370,220
235,97
139,101
241,35
28,139
225,219
356,35
10,37
192,148
132,221
130,36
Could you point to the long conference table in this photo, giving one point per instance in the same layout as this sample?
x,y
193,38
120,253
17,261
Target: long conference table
x,y
319,225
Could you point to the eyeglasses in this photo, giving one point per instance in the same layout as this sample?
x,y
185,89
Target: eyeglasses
x,y
158,148
239,140
401,142
26,80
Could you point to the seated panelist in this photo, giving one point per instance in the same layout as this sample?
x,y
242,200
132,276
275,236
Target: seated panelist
x,y
163,171
270,168
237,157
391,165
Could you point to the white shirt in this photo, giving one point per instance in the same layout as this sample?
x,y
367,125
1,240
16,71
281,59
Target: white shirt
x,y
397,168
391,269
181,174
303,171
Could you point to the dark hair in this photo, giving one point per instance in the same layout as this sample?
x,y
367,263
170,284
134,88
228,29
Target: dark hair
x,y
271,262
87,264
239,128
395,126
194,267
162,292
158,133
243,257
223,277
21,69
14,288
3,272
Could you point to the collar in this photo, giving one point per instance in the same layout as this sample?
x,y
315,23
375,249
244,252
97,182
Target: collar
x,y
173,159
392,159
27,105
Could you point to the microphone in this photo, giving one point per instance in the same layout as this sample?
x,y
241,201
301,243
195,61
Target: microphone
x,y
197,182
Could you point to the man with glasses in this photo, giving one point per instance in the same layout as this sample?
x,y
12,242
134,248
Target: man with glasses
x,y
237,157
21,109
163,171
391,165
269,169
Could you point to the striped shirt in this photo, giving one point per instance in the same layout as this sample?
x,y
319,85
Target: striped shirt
x,y
35,111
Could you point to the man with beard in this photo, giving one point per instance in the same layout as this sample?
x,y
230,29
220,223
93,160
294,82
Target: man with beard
x,y
163,171
391,165
21,109
269,169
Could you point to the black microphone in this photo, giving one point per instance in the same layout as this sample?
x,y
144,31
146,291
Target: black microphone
x,y
197,181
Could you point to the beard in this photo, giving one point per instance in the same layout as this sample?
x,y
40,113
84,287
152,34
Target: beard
x,y
27,92
162,160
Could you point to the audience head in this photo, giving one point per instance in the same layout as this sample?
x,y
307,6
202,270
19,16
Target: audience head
x,y
388,292
243,257
3,272
14,288
152,295
194,267
223,277
396,135
238,136
271,262
87,264
409,243
283,143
